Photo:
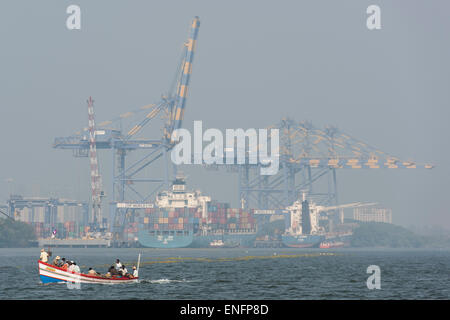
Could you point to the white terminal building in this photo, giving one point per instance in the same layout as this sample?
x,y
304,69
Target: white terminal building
x,y
373,214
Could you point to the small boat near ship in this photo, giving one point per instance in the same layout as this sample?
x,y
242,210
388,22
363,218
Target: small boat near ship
x,y
331,244
216,244
336,240
221,244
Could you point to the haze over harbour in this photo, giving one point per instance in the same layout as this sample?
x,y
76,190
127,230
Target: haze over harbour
x,y
387,87
224,150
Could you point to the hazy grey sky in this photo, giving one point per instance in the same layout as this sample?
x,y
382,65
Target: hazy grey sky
x,y
256,62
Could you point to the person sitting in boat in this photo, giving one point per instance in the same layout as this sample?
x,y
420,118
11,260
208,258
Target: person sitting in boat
x,y
56,261
65,264
71,266
113,271
44,256
133,275
92,272
123,271
61,262
75,268
118,264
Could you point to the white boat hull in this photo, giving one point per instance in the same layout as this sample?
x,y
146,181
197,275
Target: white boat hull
x,y
49,274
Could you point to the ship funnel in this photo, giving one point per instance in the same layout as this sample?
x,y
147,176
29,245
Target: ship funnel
x,y
306,218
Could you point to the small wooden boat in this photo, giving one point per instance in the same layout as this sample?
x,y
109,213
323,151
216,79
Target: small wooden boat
x,y
49,273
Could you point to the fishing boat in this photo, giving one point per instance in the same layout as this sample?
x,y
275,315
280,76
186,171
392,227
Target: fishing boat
x,y
52,274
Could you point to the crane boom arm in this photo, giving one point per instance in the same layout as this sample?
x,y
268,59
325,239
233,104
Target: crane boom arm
x,y
177,114
348,205
5,214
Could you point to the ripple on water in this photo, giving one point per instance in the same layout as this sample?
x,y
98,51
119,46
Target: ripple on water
x,y
204,274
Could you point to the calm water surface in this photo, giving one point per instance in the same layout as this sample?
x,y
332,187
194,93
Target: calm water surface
x,y
238,274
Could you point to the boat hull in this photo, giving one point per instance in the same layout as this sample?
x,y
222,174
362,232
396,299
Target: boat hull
x,y
336,241
51,274
302,241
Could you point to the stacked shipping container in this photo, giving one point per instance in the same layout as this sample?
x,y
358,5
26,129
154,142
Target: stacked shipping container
x,y
220,217
170,218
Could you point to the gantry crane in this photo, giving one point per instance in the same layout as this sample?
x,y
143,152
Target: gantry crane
x,y
6,215
96,179
171,107
308,156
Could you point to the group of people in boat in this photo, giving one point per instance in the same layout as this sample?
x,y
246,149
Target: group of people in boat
x,y
116,270
120,270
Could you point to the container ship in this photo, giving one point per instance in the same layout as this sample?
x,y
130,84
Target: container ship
x,y
230,226
182,218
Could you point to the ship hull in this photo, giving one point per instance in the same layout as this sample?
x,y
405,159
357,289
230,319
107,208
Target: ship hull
x,y
229,240
302,241
193,241
165,241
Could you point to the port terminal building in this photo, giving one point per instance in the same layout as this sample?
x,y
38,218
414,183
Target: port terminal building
x,y
69,217
373,214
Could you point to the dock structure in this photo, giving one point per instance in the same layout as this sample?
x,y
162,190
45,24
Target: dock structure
x,y
74,243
